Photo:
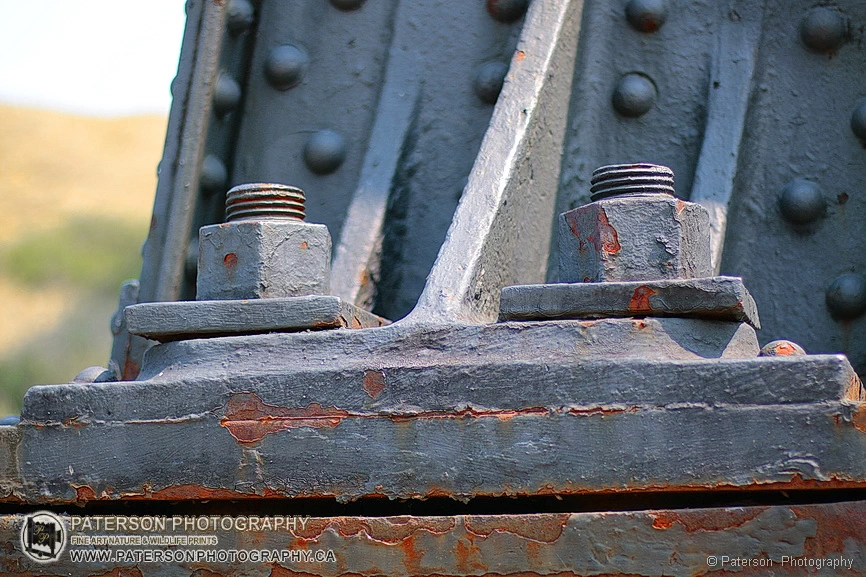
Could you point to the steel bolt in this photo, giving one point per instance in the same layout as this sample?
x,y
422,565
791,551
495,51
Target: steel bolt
x,y
265,202
265,249
846,297
646,15
635,230
802,202
634,96
227,94
781,348
325,151
858,120
622,179
824,29
241,15
347,5
286,65
488,81
507,10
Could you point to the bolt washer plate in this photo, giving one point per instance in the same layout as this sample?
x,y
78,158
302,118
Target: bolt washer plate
x,y
173,321
722,298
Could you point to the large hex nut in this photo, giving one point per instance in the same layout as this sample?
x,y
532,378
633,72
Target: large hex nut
x,y
634,238
263,259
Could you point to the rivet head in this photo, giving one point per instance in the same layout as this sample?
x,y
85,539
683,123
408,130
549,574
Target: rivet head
x,y
325,151
347,5
802,202
286,65
488,81
646,15
824,29
10,420
781,348
240,15
634,96
214,174
227,94
507,10
846,297
858,120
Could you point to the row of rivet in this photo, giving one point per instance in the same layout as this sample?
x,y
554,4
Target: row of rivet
x,y
240,15
286,65
823,29
635,93
801,203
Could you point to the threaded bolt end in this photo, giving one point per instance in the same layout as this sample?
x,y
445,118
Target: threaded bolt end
x,y
641,178
264,202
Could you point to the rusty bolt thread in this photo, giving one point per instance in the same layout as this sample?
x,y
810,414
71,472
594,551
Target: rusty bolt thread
x,y
621,179
264,202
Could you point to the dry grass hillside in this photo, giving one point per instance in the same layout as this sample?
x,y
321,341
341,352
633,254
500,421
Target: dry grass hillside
x,y
76,195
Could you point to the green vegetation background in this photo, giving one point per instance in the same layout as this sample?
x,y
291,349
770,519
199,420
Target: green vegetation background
x,y
77,194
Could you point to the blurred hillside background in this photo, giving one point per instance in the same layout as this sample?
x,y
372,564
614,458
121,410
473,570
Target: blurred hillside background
x,y
84,97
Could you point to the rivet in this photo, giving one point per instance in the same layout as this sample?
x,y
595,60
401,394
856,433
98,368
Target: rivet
x,y
286,65
824,29
93,375
240,15
214,174
781,348
488,81
227,94
846,297
191,264
802,202
507,10
325,151
634,96
858,120
347,5
646,15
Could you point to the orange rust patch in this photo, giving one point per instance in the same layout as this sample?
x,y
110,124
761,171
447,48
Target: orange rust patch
x,y
640,300
837,526
73,422
391,531
249,419
194,493
604,237
230,260
784,349
304,245
571,221
855,390
130,370
122,572
680,206
706,519
520,55
858,419
84,493
374,383
545,530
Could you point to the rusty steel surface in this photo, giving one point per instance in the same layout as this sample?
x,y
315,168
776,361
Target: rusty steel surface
x,y
775,540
